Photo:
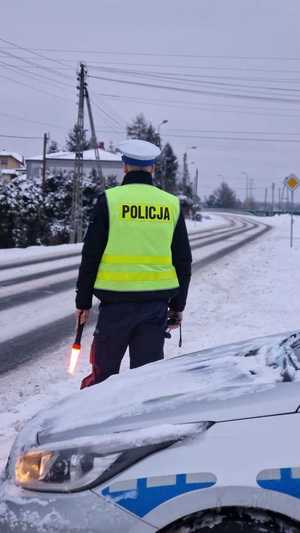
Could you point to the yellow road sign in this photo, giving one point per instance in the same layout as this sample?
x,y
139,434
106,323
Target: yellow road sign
x,y
292,182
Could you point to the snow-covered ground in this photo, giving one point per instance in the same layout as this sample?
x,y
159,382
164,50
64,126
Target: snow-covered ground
x,y
11,255
253,292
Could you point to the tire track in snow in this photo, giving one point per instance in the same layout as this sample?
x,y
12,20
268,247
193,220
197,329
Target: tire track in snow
x,y
31,344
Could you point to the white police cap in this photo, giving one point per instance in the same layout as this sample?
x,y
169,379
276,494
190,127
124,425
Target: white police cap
x,y
139,153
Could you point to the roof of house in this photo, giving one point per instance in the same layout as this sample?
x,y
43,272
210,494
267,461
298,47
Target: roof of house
x,y
15,155
88,155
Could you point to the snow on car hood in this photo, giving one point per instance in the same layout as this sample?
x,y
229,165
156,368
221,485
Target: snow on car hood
x,y
247,379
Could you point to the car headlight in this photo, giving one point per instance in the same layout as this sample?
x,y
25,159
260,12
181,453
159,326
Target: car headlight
x,y
65,468
65,471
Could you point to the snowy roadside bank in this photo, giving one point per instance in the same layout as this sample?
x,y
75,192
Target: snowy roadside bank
x,y
253,292
11,255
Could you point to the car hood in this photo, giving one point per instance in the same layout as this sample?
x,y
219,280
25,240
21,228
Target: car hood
x,y
254,378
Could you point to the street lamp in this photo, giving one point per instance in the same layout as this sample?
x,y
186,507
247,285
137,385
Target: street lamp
x,y
165,121
185,164
160,124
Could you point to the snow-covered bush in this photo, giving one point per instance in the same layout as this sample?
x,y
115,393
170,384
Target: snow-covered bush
x,y
28,217
20,212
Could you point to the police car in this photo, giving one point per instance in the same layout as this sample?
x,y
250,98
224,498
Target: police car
x,y
207,441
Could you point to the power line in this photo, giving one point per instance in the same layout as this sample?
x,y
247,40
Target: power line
x,y
246,139
206,107
24,119
18,82
110,117
153,54
221,138
19,137
194,105
203,68
231,132
201,80
199,91
202,76
33,75
33,64
33,52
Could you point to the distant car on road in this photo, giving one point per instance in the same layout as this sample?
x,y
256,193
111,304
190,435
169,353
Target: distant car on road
x,y
207,441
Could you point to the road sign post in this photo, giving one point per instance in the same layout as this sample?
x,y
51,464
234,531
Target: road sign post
x,y
292,182
292,221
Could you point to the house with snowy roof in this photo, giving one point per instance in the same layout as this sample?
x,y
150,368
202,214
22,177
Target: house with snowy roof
x,y
62,163
11,164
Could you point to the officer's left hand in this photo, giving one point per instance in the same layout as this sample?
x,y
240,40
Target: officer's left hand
x,y
174,319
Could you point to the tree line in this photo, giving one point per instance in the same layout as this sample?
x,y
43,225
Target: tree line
x,y
32,216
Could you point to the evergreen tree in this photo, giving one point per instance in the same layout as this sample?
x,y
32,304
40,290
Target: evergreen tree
x,y
76,138
168,168
58,204
141,129
226,197
53,147
57,207
211,201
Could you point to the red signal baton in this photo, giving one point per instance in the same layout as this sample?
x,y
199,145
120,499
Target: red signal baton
x,y
75,352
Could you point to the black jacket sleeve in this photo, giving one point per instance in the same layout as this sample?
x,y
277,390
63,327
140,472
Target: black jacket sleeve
x,y
182,261
94,245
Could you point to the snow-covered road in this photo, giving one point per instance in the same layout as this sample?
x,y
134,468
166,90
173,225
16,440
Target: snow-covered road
x,y
37,298
224,306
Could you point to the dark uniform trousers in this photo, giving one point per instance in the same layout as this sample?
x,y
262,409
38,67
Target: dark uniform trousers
x,y
137,325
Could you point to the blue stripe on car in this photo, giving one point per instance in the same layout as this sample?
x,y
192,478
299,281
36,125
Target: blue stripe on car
x,y
147,497
287,482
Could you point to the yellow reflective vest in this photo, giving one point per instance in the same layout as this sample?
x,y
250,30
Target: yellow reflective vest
x,y
138,257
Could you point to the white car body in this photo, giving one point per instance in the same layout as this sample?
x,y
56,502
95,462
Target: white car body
x,y
231,414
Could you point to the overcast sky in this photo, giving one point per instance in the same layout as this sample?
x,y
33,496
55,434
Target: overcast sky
x,y
232,68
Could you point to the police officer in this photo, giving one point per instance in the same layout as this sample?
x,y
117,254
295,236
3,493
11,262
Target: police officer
x,y
136,260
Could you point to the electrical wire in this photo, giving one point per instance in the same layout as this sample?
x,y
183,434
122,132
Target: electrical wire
x,y
34,75
242,139
265,98
24,119
18,82
31,51
202,80
223,108
160,54
196,77
110,117
19,137
217,68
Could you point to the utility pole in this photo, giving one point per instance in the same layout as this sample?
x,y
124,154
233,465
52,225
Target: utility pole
x,y
247,187
266,199
76,212
185,171
45,141
273,197
196,182
279,199
94,142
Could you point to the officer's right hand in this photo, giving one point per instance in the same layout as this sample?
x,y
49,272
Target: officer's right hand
x,y
82,315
